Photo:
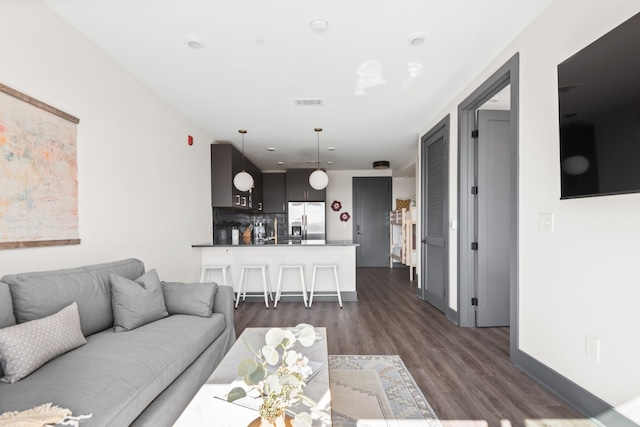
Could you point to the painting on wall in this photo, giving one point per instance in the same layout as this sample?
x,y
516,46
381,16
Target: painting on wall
x,y
38,173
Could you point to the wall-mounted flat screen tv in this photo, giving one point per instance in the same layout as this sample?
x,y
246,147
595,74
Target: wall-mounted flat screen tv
x,y
599,99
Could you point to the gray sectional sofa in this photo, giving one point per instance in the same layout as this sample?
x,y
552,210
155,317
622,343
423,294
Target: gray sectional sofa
x,y
144,375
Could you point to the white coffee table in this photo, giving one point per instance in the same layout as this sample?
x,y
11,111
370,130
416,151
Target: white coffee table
x,y
207,408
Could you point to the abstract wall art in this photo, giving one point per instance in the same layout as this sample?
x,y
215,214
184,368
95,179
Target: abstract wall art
x,y
38,173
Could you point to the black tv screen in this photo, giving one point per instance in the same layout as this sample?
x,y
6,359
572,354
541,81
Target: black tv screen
x,y
599,99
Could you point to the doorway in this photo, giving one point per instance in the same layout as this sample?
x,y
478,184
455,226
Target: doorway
x,y
371,206
470,206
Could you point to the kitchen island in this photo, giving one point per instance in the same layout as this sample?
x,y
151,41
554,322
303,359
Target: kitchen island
x,y
308,253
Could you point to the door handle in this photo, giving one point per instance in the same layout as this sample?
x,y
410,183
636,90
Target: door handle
x,y
424,240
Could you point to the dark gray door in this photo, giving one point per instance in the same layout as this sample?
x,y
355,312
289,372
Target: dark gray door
x,y
371,206
493,218
435,215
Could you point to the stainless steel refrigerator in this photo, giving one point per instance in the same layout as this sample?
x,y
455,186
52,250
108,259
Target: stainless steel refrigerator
x,y
306,220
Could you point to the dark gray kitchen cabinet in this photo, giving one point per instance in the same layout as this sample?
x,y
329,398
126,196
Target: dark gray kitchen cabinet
x,y
298,188
274,187
256,199
226,162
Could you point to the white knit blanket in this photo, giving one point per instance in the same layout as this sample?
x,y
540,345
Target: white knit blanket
x,y
43,415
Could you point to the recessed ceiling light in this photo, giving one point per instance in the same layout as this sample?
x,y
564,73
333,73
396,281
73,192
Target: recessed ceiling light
x,y
319,25
280,163
417,39
194,42
329,162
271,149
331,148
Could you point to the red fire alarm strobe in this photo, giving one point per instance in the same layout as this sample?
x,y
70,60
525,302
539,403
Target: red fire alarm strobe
x,y
190,140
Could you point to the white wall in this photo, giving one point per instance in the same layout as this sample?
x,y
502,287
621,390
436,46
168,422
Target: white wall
x,y
340,188
403,188
143,192
581,279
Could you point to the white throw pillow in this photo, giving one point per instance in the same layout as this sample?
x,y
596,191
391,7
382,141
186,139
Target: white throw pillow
x,y
27,346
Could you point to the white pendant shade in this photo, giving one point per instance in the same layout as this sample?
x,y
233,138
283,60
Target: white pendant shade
x,y
243,181
318,179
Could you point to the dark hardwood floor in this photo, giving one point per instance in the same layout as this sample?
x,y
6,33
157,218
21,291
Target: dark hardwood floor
x,y
465,373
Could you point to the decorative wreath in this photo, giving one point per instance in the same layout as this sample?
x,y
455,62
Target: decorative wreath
x,y
344,216
336,206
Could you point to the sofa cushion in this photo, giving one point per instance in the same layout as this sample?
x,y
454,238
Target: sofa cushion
x,y
115,376
40,294
27,346
136,303
189,298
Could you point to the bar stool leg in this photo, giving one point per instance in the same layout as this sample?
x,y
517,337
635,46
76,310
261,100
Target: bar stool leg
x,y
335,272
278,290
313,286
241,287
264,286
304,289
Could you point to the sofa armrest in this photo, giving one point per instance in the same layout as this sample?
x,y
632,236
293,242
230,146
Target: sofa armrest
x,y
223,303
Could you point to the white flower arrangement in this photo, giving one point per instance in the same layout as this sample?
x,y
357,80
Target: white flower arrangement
x,y
279,375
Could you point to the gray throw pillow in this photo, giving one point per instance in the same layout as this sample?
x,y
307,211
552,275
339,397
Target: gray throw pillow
x,y
136,303
27,346
189,298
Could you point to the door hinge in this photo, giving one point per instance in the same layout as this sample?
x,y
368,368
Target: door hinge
x,y
474,133
474,246
474,301
474,189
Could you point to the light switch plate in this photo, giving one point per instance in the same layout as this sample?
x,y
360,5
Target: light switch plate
x,y
592,348
546,222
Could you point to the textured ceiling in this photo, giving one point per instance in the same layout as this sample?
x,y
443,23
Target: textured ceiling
x,y
259,56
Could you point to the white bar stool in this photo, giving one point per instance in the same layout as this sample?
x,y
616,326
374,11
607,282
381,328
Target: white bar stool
x,y
226,279
242,291
335,274
300,268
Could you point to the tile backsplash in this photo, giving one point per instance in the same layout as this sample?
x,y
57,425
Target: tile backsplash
x,y
225,219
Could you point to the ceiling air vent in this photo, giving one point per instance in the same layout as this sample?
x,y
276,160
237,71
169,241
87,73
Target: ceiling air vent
x,y
308,102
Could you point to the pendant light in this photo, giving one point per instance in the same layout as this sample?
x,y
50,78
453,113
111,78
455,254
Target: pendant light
x,y
243,181
318,178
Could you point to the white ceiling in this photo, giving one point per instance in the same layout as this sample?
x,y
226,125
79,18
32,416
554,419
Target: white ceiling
x,y
259,56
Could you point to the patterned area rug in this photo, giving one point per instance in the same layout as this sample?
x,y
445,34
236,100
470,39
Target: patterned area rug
x,y
376,391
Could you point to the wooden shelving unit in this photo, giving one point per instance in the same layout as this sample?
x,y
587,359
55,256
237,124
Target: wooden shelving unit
x,y
402,232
